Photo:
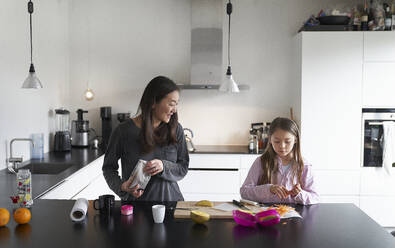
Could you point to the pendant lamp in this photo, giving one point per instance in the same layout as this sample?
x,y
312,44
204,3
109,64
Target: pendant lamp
x,y
89,95
32,81
228,84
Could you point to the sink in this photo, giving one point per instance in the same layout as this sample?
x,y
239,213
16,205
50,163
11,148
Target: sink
x,y
47,168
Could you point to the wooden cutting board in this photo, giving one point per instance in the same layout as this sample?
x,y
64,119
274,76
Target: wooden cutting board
x,y
214,213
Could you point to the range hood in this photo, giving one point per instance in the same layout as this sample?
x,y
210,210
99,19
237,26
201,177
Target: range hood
x,y
207,68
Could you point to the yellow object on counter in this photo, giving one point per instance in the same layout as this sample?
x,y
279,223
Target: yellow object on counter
x,y
204,203
199,217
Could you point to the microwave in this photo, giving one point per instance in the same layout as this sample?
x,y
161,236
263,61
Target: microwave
x,y
373,134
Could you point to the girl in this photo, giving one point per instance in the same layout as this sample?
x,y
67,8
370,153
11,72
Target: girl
x,y
280,175
153,135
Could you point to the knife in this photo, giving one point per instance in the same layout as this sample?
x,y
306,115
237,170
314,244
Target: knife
x,y
240,205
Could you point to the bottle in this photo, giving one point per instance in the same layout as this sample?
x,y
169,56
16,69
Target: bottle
x,y
393,15
251,144
24,188
388,18
371,16
364,17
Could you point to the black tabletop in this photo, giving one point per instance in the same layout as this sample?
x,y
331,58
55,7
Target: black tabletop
x,y
323,225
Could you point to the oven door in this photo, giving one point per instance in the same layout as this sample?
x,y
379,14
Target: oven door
x,y
373,135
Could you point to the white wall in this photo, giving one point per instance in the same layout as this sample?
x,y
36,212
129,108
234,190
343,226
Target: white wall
x,y
130,42
118,46
24,111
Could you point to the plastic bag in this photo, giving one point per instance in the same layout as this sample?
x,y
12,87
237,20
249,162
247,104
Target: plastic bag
x,y
139,176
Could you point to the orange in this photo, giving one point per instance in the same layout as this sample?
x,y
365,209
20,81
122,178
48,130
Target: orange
x,y
4,216
22,215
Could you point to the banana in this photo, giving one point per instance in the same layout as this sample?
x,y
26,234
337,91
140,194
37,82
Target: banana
x,y
199,217
204,203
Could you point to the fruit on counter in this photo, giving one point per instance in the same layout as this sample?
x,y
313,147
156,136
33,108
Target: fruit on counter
x,y
4,216
199,217
204,203
22,215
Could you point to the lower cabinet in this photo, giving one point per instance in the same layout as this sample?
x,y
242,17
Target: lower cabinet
x,y
379,208
215,177
72,185
96,188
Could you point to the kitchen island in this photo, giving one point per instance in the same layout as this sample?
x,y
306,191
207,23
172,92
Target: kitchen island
x,y
323,226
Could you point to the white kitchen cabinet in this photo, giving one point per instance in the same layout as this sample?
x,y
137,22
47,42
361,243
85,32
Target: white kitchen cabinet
x,y
246,160
339,183
379,208
379,46
76,182
212,176
216,177
340,199
379,84
96,188
214,161
376,181
331,98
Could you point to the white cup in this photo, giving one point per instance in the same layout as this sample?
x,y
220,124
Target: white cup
x,y
158,212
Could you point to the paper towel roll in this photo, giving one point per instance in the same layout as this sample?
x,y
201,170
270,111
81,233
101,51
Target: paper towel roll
x,y
79,210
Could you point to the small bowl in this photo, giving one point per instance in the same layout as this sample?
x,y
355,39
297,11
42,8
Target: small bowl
x,y
268,217
127,210
244,219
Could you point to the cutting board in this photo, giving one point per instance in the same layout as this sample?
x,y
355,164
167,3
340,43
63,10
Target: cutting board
x,y
214,213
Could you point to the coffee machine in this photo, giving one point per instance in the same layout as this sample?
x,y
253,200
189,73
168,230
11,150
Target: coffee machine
x,y
80,130
62,135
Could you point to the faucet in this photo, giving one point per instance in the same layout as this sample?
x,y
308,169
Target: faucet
x,y
15,161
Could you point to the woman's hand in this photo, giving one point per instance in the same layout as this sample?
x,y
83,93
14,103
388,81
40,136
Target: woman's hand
x,y
154,167
135,191
295,190
280,191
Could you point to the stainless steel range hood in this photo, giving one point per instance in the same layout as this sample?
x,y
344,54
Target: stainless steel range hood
x,y
207,68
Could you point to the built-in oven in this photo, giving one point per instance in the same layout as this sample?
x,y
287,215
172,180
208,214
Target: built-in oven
x,y
372,133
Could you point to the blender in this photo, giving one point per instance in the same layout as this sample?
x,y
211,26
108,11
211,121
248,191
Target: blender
x,y
62,134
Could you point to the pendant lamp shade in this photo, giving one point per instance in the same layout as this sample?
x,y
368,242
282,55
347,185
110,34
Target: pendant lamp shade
x,y
32,81
228,84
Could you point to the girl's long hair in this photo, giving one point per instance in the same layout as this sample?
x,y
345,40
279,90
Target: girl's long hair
x,y
165,133
269,158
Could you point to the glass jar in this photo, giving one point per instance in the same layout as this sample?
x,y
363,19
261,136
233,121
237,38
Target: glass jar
x,y
24,188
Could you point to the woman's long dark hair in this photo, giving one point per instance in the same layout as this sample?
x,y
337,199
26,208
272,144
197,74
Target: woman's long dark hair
x,y
165,133
269,157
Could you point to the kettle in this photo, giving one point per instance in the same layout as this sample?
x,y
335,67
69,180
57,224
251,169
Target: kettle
x,y
190,146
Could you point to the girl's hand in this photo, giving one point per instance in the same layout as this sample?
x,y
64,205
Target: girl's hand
x,y
280,191
135,191
295,190
154,167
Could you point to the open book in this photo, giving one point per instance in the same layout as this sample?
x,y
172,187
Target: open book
x,y
139,176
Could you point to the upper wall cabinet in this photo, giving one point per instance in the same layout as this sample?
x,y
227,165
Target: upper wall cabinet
x,y
379,46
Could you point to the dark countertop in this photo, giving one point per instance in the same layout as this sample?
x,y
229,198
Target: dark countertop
x,y
323,225
79,157
206,149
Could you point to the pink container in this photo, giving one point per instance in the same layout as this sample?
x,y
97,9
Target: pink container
x,y
268,218
244,219
127,210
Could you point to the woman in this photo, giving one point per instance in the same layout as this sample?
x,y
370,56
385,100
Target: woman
x,y
280,174
155,136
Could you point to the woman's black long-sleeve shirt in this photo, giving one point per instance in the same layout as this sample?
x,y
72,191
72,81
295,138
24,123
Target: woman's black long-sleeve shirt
x,y
124,145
